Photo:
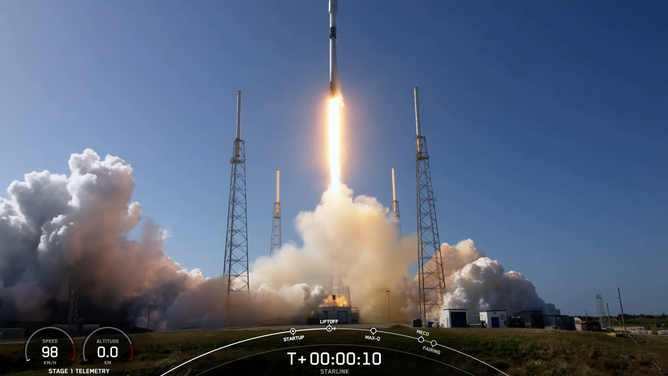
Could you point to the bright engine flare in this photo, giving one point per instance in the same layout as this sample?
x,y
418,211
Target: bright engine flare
x,y
338,301
334,142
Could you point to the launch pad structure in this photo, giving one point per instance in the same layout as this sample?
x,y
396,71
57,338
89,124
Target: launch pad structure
x,y
276,231
395,206
338,294
73,314
235,266
430,264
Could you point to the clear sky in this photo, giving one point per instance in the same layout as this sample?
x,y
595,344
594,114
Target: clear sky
x,y
547,122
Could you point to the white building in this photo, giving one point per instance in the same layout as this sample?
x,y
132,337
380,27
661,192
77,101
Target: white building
x,y
493,319
454,318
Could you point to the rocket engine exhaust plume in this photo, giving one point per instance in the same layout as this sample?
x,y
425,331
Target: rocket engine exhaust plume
x,y
334,143
60,232
335,102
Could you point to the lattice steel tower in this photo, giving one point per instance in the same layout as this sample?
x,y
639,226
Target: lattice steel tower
x,y
338,294
235,266
73,315
276,232
395,207
430,263
603,318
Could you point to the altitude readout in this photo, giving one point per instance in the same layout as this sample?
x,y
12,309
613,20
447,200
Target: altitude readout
x,y
107,345
50,346
337,358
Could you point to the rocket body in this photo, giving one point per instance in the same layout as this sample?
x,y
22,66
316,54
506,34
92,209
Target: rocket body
x,y
334,83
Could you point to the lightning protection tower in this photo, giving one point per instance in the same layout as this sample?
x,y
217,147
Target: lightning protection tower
x,y
430,263
603,318
235,266
395,206
276,233
74,308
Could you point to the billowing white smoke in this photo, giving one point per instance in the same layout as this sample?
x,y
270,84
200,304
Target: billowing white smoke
x,y
352,238
62,232
476,282
59,233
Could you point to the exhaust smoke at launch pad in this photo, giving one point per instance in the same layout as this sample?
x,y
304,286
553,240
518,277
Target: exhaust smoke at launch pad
x,y
59,232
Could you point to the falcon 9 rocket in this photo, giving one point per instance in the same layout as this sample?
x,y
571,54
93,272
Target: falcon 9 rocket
x,y
334,83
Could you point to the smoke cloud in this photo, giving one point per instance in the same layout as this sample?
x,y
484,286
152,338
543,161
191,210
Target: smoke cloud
x,y
352,238
476,282
60,232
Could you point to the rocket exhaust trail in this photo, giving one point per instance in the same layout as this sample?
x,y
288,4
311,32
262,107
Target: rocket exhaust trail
x,y
334,143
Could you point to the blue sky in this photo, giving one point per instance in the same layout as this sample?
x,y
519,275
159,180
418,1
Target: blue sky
x,y
546,121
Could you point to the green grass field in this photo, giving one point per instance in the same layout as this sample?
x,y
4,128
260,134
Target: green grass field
x,y
635,320
515,351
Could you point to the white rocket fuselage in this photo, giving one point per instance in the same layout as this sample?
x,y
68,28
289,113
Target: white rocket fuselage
x,y
334,83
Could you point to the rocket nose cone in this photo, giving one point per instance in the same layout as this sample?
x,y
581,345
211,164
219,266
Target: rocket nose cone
x,y
333,6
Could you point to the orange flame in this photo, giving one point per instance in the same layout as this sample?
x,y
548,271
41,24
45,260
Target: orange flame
x,y
340,301
334,142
